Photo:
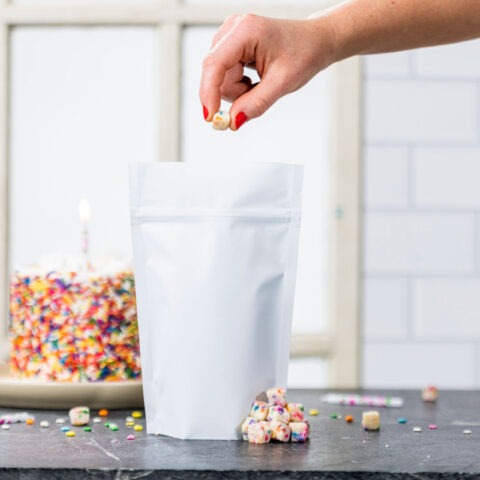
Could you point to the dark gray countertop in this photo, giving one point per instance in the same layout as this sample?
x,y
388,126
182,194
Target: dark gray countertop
x,y
334,451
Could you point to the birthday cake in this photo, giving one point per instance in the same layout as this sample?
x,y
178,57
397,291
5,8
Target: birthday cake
x,y
74,325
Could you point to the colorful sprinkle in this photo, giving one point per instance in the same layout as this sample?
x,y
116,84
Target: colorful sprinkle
x,y
97,420
137,414
65,429
70,433
129,424
113,427
74,326
432,427
6,426
417,429
60,420
87,429
103,412
313,412
44,424
30,421
138,428
129,419
131,437
402,420
349,419
467,432
107,424
334,415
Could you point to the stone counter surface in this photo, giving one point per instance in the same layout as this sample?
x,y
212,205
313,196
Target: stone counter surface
x,y
334,451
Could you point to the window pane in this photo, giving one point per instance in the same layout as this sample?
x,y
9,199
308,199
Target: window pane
x,y
295,130
82,107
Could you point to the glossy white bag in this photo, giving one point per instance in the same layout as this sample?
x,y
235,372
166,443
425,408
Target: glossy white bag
x,y
215,253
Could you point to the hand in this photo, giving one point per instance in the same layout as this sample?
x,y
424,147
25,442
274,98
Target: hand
x,y
285,53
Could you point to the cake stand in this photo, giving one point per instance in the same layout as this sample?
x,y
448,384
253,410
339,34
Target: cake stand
x,y
20,393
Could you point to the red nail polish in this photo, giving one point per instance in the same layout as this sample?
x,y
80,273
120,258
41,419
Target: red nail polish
x,y
240,119
205,112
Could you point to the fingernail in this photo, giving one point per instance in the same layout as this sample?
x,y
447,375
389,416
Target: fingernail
x,y
205,112
240,119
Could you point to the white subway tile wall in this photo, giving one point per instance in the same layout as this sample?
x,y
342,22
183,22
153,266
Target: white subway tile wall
x,y
421,204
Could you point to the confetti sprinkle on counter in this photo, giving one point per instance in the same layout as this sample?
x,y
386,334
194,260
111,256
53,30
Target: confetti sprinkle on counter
x,y
138,428
416,429
313,412
44,424
74,326
131,437
467,432
70,434
402,420
432,427
137,414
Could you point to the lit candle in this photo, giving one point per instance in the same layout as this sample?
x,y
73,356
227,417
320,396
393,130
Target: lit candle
x,y
84,213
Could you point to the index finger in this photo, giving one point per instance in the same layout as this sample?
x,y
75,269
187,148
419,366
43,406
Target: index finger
x,y
229,51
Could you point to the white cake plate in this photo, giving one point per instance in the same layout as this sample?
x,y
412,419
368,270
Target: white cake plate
x,y
19,393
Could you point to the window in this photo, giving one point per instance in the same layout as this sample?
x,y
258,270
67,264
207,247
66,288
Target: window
x,y
96,86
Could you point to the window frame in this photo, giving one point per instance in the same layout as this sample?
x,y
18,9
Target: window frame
x,y
341,341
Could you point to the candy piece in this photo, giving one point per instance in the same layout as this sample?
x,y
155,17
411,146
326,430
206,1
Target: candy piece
x,y
299,431
280,431
371,420
416,429
87,429
466,432
113,427
60,420
106,424
70,433
79,415
65,429
430,394
313,412
260,432
259,411
248,421
131,437
129,419
277,396
221,120
137,414
296,412
278,414
97,420
129,424
44,424
349,419
402,420
334,415
6,426
432,426
103,412
138,428
30,421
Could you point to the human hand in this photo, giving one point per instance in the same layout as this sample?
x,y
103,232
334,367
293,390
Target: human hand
x,y
285,53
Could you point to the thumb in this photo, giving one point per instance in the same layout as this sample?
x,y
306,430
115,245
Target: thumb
x,y
255,102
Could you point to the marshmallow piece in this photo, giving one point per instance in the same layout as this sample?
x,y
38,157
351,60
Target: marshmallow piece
x,y
248,421
259,411
277,396
430,394
260,432
300,431
79,415
221,120
280,431
296,412
371,420
278,414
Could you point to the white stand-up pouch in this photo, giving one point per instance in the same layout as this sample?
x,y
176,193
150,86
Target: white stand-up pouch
x,y
215,252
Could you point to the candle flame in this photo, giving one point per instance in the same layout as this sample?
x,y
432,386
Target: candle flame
x,y
84,210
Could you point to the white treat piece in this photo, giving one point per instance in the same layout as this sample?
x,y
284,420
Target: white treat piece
x,y
221,120
371,420
280,431
296,411
44,424
279,414
248,421
416,429
430,394
259,411
277,396
300,431
260,432
5,426
60,420
97,420
79,415
467,432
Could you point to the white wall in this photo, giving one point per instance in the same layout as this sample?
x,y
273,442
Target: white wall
x,y
421,207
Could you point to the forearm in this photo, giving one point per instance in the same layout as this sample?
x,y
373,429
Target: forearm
x,y
376,26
